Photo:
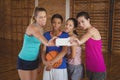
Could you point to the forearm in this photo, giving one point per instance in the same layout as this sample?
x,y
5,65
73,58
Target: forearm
x,y
43,40
73,55
57,58
43,57
84,38
73,51
60,55
43,51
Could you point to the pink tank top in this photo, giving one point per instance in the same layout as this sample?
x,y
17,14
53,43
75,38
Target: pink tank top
x,y
94,56
77,59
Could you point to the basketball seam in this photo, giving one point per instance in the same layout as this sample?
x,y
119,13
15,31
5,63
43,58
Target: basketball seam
x,y
51,55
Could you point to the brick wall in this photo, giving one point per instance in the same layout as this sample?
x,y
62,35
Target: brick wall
x,y
15,15
53,7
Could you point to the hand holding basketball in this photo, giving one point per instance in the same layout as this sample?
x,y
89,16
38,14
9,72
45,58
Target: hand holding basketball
x,y
51,55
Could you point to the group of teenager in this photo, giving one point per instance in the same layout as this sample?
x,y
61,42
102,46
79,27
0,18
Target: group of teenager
x,y
71,67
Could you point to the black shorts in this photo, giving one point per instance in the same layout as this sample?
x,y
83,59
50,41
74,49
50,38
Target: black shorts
x,y
96,75
27,65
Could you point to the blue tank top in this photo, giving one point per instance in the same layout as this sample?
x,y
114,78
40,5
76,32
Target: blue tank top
x,y
56,48
30,48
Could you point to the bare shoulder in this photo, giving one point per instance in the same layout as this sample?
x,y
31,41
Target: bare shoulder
x,y
30,29
95,33
93,30
32,26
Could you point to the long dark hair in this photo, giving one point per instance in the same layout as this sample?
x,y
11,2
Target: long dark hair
x,y
85,14
75,23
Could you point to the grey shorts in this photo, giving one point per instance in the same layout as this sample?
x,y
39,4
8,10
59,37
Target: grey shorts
x,y
96,75
75,72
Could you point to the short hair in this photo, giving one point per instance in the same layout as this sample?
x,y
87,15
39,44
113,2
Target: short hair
x,y
57,16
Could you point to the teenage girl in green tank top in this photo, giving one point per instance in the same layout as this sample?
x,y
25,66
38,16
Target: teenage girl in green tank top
x,y
32,40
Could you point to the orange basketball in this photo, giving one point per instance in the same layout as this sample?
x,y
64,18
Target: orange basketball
x,y
51,55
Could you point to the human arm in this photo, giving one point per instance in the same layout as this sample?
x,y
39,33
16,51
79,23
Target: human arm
x,y
34,31
43,53
84,38
60,55
73,51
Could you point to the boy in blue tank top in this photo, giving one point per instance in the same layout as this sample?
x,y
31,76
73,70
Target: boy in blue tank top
x,y
59,73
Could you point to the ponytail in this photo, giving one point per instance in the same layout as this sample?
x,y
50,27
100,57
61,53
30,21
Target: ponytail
x,y
32,18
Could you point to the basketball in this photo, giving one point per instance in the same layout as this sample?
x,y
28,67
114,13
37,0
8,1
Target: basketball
x,y
51,55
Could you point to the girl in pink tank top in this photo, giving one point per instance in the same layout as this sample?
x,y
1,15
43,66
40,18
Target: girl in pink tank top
x,y
75,68
95,66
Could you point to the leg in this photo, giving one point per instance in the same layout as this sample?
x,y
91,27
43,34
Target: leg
x,y
77,72
89,75
60,74
24,75
47,75
34,74
99,76
70,70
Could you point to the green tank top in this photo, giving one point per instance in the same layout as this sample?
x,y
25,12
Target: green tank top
x,y
30,48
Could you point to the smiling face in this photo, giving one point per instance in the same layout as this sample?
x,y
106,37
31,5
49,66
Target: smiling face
x,y
56,23
69,26
41,18
83,23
